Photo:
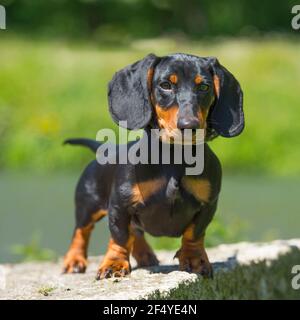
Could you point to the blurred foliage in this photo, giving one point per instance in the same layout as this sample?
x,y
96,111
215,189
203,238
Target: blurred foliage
x,y
33,251
118,21
52,90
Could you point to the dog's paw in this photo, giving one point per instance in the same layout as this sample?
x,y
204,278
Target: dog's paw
x,y
74,262
143,253
194,261
146,259
113,268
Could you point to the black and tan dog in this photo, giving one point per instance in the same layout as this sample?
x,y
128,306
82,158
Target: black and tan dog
x,y
174,92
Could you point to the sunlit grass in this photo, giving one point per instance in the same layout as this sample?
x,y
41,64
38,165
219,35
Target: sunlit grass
x,y
264,280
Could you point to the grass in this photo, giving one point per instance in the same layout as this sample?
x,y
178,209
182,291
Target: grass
x,y
54,90
46,291
257,281
33,251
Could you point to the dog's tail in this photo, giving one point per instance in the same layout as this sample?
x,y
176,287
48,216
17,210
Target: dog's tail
x,y
89,143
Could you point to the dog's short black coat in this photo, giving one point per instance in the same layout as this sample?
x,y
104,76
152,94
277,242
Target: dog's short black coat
x,y
173,92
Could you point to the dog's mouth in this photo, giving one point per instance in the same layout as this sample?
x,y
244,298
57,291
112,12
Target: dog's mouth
x,y
182,137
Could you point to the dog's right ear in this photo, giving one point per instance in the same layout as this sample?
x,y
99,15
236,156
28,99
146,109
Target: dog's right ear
x,y
226,116
129,93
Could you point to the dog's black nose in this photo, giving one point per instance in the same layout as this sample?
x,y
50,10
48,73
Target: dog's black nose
x,y
188,123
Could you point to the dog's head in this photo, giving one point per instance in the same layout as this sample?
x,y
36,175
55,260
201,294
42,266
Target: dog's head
x,y
178,92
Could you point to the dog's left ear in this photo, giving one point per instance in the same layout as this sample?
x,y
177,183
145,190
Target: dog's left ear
x,y
129,93
226,116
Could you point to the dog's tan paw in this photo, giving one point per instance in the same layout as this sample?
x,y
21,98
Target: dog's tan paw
x,y
113,268
195,261
75,262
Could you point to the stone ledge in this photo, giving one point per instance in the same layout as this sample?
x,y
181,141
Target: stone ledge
x,y
43,280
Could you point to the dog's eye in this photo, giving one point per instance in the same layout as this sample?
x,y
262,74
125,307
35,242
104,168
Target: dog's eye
x,y
166,85
203,87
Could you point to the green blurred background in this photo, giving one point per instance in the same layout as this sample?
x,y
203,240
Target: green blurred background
x,y
56,58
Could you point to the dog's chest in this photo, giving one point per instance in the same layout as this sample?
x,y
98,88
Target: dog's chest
x,y
166,204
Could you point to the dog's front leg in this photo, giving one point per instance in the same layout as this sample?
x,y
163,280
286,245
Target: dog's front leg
x,y
192,255
116,260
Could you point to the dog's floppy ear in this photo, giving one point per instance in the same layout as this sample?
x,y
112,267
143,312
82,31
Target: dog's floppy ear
x,y
226,116
129,93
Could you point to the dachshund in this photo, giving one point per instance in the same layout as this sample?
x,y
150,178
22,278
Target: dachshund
x,y
170,93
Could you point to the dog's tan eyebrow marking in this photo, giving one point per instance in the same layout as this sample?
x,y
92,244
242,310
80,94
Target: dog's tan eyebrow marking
x,y
173,78
198,79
